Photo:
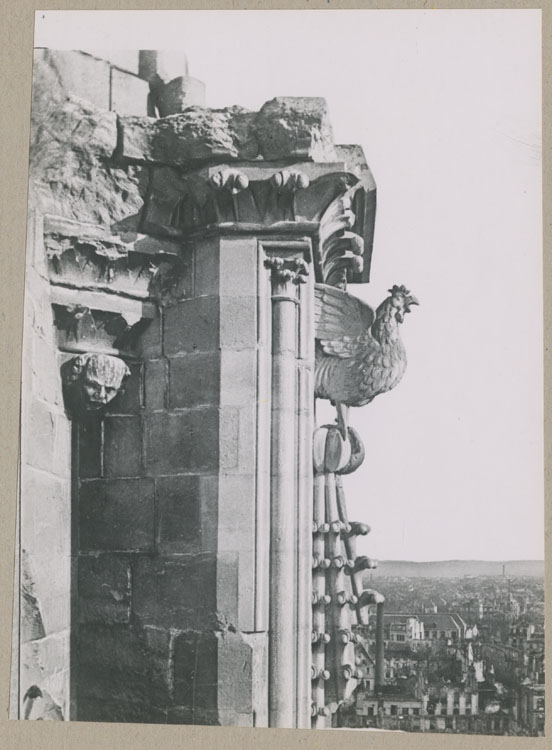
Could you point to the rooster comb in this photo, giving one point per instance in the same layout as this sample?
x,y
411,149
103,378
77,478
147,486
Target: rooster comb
x,y
399,290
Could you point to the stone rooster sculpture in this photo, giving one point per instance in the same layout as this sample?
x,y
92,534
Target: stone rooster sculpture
x,y
359,352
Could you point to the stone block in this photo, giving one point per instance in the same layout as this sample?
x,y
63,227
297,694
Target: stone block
x,y
238,266
235,676
45,518
229,438
249,444
194,380
178,500
122,58
150,341
207,276
192,325
174,593
121,712
119,664
46,579
184,441
195,670
62,447
97,134
77,73
229,588
130,398
284,128
104,589
45,663
179,94
39,435
159,643
156,380
238,322
71,139
238,377
196,135
45,371
208,497
236,513
116,514
129,94
167,186
212,672
122,446
297,127
90,446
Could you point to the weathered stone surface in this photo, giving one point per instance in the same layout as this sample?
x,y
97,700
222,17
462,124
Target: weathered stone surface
x,y
72,140
195,670
32,626
174,593
185,441
212,671
194,380
149,342
129,400
295,127
117,514
179,94
238,322
44,663
69,72
156,378
196,135
129,94
192,326
238,377
90,446
122,446
179,502
104,589
123,673
285,128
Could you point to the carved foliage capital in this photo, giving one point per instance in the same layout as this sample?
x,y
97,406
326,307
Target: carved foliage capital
x,y
284,270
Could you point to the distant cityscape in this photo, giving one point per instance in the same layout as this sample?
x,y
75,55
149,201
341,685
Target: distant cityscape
x,y
461,654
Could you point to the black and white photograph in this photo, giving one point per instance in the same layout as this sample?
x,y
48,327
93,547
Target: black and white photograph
x,y
282,453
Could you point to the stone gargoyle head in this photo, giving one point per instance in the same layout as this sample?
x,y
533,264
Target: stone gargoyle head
x,y
92,380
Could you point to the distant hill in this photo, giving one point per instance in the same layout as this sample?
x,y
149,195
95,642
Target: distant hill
x,y
458,568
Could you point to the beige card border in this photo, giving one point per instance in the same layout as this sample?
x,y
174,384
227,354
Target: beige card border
x,y
16,43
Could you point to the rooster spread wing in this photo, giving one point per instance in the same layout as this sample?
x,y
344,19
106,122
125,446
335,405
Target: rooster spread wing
x,y
340,320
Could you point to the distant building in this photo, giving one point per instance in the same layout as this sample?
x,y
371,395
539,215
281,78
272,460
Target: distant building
x,y
531,709
443,627
402,628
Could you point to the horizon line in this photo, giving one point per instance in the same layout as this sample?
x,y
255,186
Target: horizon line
x,y
467,559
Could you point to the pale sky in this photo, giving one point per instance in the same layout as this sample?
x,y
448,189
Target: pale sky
x,y
447,107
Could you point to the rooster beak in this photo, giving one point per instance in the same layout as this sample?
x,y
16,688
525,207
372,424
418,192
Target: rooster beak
x,y
412,301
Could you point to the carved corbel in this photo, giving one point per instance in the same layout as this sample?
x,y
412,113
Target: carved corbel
x,y
91,381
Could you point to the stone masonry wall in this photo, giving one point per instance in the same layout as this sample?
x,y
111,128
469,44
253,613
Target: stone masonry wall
x,y
145,529
166,513
45,484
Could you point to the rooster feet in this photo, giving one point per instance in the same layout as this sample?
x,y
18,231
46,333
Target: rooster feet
x,y
342,419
